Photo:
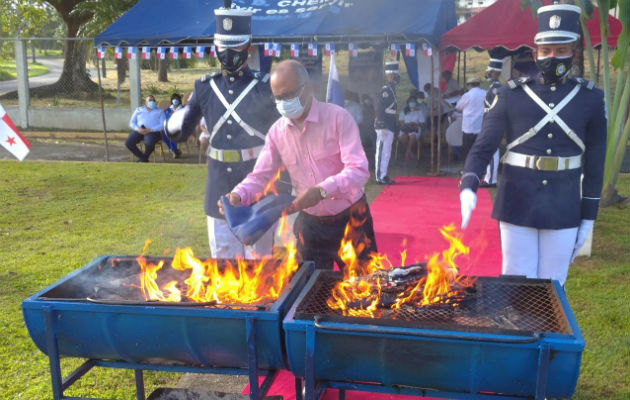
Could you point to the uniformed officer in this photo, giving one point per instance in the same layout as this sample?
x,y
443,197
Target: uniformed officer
x,y
238,108
493,72
385,122
555,128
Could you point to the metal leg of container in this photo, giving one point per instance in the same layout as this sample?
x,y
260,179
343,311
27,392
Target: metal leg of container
x,y
256,392
139,384
543,371
53,353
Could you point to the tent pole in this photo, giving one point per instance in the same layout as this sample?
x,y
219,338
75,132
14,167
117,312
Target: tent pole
x,y
432,111
599,54
464,66
100,95
459,57
439,125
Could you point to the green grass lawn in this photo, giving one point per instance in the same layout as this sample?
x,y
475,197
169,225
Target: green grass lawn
x,y
58,216
8,71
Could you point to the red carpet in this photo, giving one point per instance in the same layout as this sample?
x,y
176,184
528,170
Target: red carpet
x,y
413,211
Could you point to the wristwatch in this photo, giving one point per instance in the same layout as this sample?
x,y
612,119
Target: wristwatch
x,y
322,192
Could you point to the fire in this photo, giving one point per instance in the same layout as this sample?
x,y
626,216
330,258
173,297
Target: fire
x,y
271,185
236,281
368,290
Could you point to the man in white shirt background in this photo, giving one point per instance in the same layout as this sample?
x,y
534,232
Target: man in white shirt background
x,y
471,105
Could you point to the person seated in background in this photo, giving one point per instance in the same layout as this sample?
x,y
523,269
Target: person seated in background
x,y
411,122
146,123
176,104
437,109
452,91
351,104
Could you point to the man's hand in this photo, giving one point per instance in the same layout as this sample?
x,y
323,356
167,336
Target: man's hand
x,y
143,131
234,198
585,229
468,200
309,198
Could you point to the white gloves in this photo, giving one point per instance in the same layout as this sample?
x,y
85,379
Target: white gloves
x,y
585,229
468,200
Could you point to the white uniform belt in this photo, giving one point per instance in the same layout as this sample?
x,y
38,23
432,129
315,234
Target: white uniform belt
x,y
542,163
234,155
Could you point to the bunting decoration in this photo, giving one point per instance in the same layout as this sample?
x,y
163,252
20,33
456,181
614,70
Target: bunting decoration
x,y
295,50
410,49
394,48
146,53
118,52
131,53
200,51
213,51
426,49
187,52
161,53
267,49
100,52
277,49
330,49
173,53
312,49
352,49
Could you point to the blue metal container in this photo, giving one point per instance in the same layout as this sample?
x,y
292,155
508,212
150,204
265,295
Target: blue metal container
x,y
465,364
197,336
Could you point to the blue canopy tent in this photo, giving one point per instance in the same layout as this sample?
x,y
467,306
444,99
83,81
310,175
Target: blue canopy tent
x,y
364,22
155,22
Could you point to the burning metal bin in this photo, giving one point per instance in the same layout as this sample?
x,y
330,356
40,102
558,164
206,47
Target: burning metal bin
x,y
160,337
512,338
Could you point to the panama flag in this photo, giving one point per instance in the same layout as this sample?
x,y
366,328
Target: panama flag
x,y
100,52
410,49
213,51
394,48
312,49
277,49
330,49
10,138
187,52
352,49
131,53
173,53
146,53
333,91
161,53
426,49
118,52
295,50
200,51
267,49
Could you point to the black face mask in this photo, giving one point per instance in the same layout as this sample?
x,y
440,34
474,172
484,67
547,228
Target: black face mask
x,y
231,60
553,69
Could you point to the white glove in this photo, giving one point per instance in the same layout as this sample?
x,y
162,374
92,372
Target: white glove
x,y
585,229
468,200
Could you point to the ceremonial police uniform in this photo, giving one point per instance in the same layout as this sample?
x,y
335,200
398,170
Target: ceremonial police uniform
x,y
385,125
492,171
238,108
555,133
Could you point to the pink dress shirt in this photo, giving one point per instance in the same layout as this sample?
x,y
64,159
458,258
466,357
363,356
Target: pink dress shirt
x,y
326,152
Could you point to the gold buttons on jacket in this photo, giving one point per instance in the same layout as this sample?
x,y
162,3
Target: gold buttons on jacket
x,y
551,105
230,91
229,169
228,137
229,121
553,88
549,135
544,182
548,151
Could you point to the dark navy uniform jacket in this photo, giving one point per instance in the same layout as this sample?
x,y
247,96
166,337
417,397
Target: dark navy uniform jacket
x,y
387,109
534,198
257,109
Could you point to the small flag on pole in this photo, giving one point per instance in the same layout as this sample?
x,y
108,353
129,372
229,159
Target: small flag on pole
x,y
131,53
410,49
213,51
330,49
118,52
394,48
100,52
146,53
10,138
173,53
161,53
187,52
333,91
312,49
426,49
277,49
352,49
295,50
200,51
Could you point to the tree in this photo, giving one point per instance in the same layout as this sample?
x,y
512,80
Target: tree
x,y
20,18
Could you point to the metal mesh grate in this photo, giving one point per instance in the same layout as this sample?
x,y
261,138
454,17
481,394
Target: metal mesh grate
x,y
496,305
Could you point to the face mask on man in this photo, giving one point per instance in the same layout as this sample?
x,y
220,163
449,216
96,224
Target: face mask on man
x,y
291,108
553,69
151,104
175,102
232,60
412,104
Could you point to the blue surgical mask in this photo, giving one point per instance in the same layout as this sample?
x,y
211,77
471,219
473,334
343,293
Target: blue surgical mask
x,y
151,104
412,104
175,102
291,108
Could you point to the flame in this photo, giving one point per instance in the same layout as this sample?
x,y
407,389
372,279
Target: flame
x,y
360,291
271,185
229,282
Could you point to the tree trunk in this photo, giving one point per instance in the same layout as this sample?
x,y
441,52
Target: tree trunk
x,y
162,70
33,53
103,69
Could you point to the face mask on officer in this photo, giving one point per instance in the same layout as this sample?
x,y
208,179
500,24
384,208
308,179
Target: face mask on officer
x,y
553,69
291,108
233,59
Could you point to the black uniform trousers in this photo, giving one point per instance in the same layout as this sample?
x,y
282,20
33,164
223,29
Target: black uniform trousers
x,y
468,139
319,238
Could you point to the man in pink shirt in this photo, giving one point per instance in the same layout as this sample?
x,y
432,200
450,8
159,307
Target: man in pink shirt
x,y
320,147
